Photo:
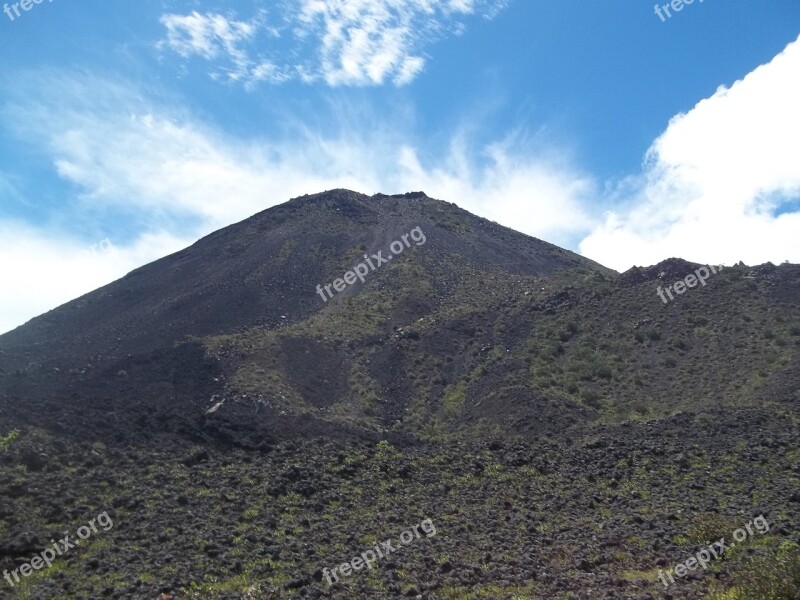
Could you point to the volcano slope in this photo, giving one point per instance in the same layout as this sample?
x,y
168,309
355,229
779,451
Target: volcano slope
x,y
568,434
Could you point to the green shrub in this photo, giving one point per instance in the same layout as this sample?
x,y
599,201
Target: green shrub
x,y
706,528
7,440
591,398
773,577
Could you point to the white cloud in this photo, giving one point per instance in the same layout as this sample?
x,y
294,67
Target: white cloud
x,y
714,178
43,269
206,35
358,42
709,193
365,41
184,179
534,193
213,36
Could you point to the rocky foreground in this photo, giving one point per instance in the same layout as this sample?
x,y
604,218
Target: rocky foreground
x,y
601,514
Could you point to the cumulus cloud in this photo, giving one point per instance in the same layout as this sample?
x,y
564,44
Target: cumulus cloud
x,y
359,42
721,184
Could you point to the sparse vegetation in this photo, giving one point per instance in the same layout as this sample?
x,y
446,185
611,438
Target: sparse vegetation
x,y
771,576
8,439
564,430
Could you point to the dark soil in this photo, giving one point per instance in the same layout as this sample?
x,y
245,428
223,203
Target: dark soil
x,y
592,516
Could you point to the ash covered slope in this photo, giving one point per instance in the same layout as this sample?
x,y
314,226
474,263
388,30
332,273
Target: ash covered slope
x,y
132,357
472,330
600,433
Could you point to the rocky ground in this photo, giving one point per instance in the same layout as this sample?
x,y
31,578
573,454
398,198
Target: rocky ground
x,y
594,514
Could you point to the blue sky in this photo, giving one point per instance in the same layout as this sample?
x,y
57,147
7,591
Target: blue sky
x,y
128,130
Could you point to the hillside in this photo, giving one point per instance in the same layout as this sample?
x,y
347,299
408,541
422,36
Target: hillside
x,y
159,343
568,431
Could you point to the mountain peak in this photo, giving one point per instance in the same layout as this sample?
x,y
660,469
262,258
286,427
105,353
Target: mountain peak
x,y
455,324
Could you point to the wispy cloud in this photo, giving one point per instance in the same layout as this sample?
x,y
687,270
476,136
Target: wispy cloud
x,y
206,35
718,183
216,37
354,43
44,268
183,178
723,173
123,151
372,41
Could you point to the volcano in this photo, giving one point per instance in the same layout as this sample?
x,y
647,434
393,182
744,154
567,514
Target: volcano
x,y
565,431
